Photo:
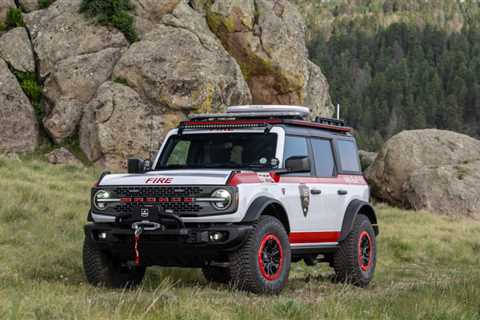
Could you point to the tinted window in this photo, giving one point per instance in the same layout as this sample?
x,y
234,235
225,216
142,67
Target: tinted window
x,y
230,150
324,163
295,146
347,151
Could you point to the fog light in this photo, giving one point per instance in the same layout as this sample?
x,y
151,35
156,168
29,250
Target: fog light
x,y
102,235
216,236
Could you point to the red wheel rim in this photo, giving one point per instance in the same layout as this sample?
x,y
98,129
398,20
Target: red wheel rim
x,y
365,251
270,257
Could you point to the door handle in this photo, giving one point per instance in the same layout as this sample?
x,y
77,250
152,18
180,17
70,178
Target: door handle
x,y
342,192
315,191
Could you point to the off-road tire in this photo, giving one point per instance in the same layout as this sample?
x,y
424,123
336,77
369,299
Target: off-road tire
x,y
216,274
245,265
101,270
347,261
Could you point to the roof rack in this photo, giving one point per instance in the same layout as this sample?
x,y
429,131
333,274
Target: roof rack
x,y
261,117
330,121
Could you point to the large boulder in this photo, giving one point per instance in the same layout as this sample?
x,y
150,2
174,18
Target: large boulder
x,y
16,49
183,67
78,77
267,38
63,156
75,57
19,128
118,124
429,169
63,120
149,13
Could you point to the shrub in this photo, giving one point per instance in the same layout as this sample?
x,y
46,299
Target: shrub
x,y
43,4
111,13
14,18
33,90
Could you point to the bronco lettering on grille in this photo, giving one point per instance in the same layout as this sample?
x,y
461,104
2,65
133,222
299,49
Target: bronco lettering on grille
x,y
155,200
161,180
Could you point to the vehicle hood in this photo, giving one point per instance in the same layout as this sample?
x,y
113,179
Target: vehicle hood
x,y
168,177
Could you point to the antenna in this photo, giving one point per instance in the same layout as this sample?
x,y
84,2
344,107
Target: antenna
x,y
338,111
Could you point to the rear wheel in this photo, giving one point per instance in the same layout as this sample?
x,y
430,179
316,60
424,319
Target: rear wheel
x,y
355,259
101,270
262,265
216,274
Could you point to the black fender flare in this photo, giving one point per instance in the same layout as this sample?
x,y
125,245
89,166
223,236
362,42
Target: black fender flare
x,y
353,209
258,207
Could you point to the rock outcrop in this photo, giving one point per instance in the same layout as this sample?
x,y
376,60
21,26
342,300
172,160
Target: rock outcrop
x,y
18,126
16,49
120,98
267,38
429,169
118,124
366,158
63,156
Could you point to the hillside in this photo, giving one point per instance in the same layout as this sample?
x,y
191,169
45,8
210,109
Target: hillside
x,y
399,65
330,16
114,76
427,267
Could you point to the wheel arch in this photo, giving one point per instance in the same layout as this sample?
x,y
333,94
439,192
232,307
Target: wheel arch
x,y
267,206
354,208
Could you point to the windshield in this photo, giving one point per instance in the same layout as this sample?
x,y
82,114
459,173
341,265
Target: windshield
x,y
219,150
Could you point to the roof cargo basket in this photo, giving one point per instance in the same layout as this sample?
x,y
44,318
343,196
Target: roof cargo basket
x,y
330,121
261,116
256,112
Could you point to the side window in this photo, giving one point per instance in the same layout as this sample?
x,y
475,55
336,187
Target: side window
x,y
347,151
295,146
324,163
179,153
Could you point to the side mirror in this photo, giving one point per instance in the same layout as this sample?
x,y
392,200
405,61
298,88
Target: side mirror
x,y
298,164
136,165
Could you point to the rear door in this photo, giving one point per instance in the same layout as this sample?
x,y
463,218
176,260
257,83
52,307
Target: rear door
x,y
325,205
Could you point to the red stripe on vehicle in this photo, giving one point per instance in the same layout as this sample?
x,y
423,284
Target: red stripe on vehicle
x,y
240,178
314,237
252,177
341,179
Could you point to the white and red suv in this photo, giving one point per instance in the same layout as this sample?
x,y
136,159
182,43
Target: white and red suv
x,y
240,195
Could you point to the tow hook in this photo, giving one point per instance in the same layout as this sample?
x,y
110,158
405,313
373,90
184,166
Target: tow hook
x,y
147,225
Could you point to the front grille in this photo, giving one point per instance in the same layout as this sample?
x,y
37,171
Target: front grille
x,y
179,200
159,191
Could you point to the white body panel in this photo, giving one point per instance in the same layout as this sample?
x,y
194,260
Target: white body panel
x,y
325,211
170,177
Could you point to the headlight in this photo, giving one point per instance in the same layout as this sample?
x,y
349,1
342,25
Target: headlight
x,y
100,199
225,199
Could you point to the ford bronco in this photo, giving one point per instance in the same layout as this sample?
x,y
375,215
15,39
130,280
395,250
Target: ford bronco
x,y
241,195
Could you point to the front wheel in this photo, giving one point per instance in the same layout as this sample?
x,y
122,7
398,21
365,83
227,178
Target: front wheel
x,y
262,265
101,270
355,259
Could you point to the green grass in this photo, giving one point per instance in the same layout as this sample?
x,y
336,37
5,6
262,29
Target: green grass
x,y
14,18
32,89
427,266
112,13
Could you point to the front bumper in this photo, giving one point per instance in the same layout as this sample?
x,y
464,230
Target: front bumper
x,y
184,247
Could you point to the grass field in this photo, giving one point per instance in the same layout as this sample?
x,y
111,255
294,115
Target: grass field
x,y
428,266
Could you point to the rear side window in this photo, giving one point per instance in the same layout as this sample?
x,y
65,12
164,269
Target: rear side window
x,y
348,154
324,163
